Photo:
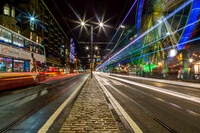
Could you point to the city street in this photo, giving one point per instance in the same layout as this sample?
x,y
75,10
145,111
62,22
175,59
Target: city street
x,y
28,109
156,107
100,66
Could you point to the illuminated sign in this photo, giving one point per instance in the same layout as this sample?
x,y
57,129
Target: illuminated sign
x,y
72,50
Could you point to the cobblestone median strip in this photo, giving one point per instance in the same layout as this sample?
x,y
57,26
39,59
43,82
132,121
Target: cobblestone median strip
x,y
90,112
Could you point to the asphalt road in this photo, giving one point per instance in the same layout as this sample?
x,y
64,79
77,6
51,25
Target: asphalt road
x,y
28,109
156,107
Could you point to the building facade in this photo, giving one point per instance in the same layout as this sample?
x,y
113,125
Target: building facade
x,y
33,19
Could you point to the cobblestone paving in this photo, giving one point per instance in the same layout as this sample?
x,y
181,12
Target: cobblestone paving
x,y
90,113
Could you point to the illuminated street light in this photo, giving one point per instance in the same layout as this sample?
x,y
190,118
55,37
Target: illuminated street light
x,y
101,24
82,23
96,48
172,52
87,48
32,18
190,60
91,26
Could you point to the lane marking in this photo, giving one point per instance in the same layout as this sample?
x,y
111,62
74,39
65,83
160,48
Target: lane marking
x,y
50,121
194,85
162,100
175,105
133,125
162,90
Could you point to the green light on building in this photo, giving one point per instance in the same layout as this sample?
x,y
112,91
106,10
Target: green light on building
x,y
148,67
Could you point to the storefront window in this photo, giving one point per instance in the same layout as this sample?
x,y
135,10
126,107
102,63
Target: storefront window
x,y
5,65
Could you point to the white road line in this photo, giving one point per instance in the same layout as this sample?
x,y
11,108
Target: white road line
x,y
175,105
194,85
49,122
162,90
133,125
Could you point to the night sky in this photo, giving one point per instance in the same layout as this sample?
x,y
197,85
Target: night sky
x,y
112,12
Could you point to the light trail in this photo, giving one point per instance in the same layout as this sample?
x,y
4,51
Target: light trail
x,y
163,38
196,39
192,40
162,90
152,28
193,85
122,22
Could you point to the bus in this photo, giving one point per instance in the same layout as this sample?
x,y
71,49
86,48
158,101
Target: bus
x,y
18,55
16,52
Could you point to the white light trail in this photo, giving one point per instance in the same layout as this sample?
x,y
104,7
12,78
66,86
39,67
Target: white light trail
x,y
152,28
162,90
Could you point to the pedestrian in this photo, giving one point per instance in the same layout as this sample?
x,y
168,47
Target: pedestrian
x,y
34,64
163,72
179,74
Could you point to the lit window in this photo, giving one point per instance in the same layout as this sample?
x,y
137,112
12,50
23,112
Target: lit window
x,y
13,12
37,39
6,10
31,35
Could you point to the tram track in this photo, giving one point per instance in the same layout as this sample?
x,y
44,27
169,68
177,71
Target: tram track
x,y
38,107
145,110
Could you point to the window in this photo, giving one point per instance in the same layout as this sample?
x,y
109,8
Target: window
x,y
18,41
31,36
5,36
6,10
41,50
37,39
32,24
27,45
5,65
19,66
13,12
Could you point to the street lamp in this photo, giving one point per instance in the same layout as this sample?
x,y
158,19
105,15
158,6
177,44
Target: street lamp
x,y
96,48
32,18
190,60
82,23
101,24
91,57
87,48
172,52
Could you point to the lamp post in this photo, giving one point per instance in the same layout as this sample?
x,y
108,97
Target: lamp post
x,y
91,44
91,60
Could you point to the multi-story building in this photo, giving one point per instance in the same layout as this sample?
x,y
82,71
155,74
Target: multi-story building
x,y
7,18
33,19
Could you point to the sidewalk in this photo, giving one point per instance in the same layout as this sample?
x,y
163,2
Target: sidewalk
x,y
90,112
